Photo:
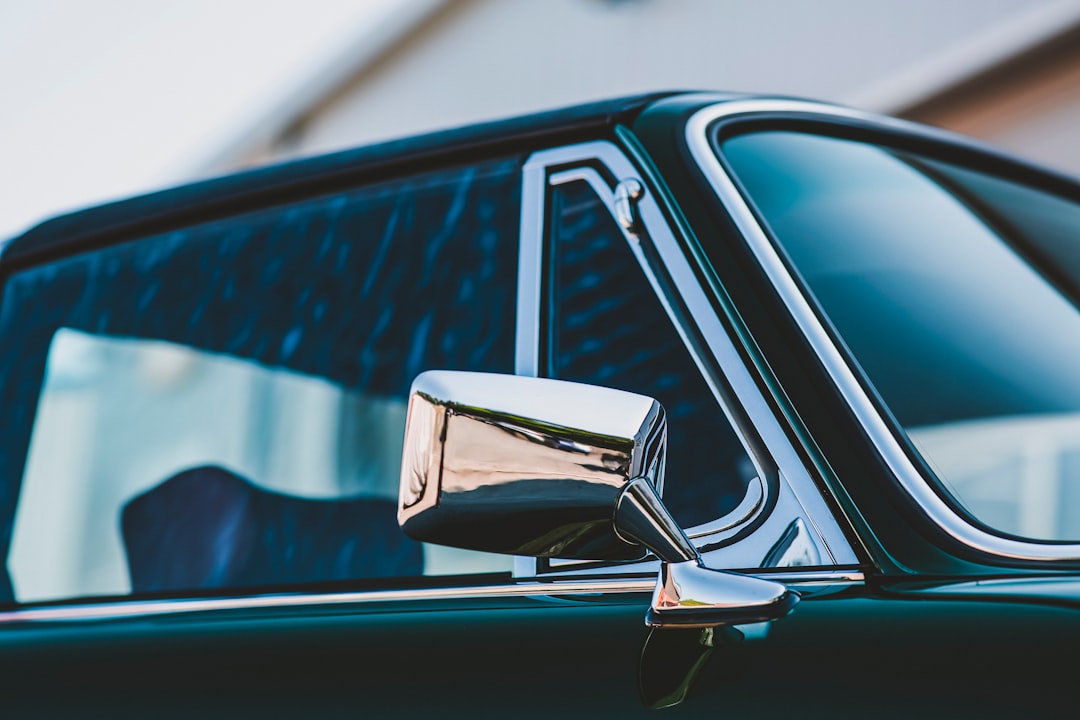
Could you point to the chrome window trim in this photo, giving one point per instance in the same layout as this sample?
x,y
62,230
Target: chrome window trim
x,y
757,490
807,582
753,419
530,268
840,371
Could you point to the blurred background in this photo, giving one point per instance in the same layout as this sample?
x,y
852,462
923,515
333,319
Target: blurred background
x,y
114,97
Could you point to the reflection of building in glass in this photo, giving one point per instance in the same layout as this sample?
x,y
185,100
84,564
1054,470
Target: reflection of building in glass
x,y
1016,474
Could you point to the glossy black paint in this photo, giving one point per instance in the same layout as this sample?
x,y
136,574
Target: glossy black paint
x,y
890,656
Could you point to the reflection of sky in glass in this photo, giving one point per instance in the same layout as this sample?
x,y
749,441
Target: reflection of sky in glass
x,y
945,318
971,349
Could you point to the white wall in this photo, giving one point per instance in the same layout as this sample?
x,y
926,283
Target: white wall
x,y
480,59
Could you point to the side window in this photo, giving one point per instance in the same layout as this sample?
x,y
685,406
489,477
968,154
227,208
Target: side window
x,y
607,327
222,406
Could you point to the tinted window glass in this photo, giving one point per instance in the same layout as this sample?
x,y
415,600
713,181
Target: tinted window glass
x,y
956,293
609,328
223,406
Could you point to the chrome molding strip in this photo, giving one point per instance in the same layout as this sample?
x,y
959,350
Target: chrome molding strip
x,y
530,271
768,445
748,506
530,268
810,581
837,366
136,608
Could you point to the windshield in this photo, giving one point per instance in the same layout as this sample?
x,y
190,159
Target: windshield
x,y
956,293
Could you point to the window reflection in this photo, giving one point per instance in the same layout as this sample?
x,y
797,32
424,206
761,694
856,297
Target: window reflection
x,y
954,292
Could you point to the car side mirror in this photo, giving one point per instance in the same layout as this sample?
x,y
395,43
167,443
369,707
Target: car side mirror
x,y
547,468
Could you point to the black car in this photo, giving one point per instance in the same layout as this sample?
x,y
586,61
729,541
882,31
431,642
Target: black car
x,y
841,348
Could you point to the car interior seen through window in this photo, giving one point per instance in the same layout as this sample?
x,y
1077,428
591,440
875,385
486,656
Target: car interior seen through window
x,y
222,406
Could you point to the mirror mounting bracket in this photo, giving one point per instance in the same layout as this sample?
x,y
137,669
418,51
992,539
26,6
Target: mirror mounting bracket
x,y
688,594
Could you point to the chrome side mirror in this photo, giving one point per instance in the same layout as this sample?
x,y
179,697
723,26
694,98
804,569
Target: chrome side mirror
x,y
531,466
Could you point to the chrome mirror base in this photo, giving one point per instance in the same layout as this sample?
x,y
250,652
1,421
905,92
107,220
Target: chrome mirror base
x,y
641,518
688,594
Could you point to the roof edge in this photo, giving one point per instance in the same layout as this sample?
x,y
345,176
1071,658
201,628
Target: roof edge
x,y
248,190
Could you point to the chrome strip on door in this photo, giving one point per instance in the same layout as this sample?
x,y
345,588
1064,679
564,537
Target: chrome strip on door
x,y
806,581
530,267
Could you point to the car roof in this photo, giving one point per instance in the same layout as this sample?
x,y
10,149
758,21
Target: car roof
x,y
168,209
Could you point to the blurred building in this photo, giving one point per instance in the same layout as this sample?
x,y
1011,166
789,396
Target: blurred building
x,y
1007,71
1028,102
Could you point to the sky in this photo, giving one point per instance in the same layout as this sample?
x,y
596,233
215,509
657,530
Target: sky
x,y
109,98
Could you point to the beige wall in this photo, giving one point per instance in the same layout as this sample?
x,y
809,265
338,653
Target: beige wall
x,y
1030,106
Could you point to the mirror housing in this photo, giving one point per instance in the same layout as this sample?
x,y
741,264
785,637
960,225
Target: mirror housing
x,y
525,466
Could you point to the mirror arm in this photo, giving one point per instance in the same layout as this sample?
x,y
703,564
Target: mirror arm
x,y
688,594
641,518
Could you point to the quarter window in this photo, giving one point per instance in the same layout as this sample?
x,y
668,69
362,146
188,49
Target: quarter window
x,y
609,328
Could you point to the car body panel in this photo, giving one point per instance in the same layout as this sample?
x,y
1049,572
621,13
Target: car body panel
x,y
889,654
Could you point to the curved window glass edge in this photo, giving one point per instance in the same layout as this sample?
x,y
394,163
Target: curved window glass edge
x,y
877,426
796,495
